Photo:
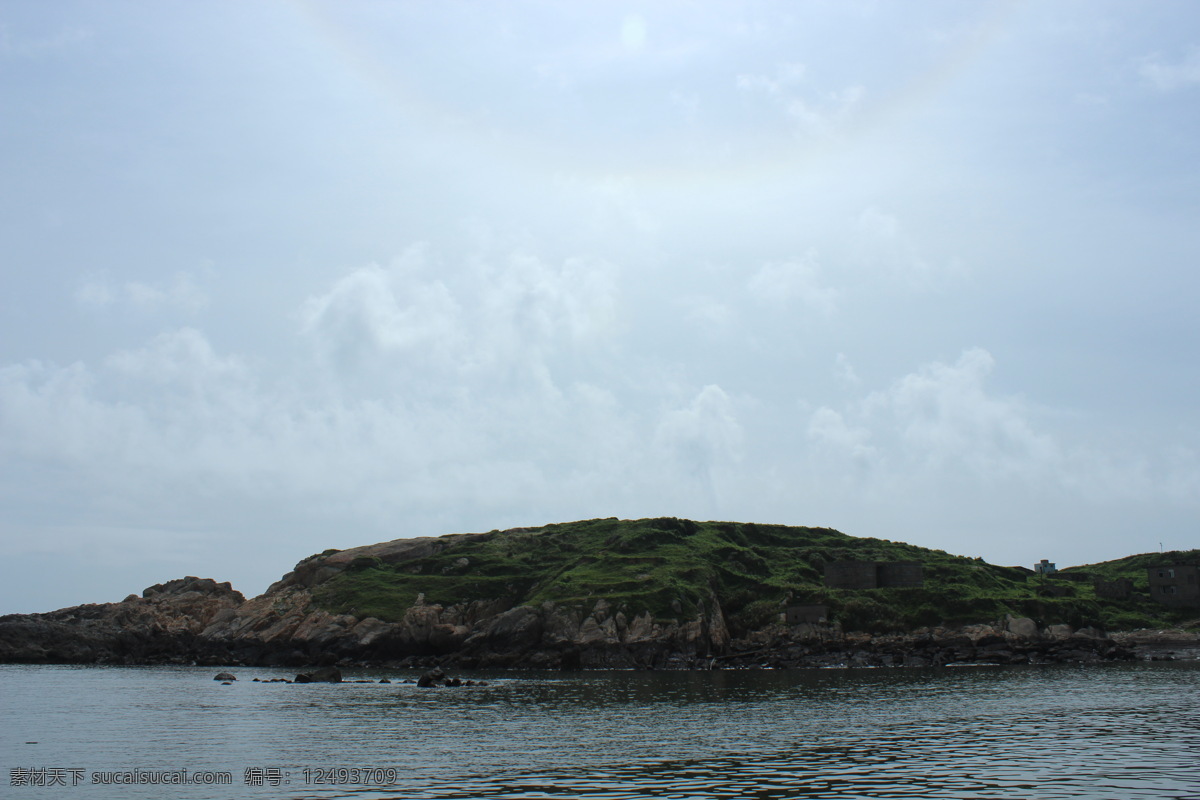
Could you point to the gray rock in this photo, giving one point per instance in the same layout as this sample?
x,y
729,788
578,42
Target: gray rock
x,y
322,675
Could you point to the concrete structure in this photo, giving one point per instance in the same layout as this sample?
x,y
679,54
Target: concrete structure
x,y
852,574
1176,585
901,574
1045,568
1120,589
873,574
799,615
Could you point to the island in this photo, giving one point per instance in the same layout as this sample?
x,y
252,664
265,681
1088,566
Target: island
x,y
661,593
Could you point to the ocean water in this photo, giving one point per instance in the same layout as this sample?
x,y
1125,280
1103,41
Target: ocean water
x,y
1117,732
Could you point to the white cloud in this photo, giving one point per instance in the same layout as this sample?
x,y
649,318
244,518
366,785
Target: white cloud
x,y
945,417
509,313
811,113
844,371
786,76
1168,77
380,310
180,292
702,438
183,356
885,245
828,428
940,427
711,316
783,283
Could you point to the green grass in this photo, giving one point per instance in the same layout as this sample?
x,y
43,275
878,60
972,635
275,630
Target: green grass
x,y
671,568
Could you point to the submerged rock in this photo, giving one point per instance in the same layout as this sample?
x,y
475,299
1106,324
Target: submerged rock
x,y
322,675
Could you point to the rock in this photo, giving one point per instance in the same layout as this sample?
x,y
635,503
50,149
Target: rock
x,y
1022,627
159,627
224,676
435,677
322,675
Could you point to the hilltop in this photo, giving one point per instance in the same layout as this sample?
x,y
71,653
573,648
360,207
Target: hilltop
x,y
609,592
674,568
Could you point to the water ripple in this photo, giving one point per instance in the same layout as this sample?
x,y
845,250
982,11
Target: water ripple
x,y
1117,732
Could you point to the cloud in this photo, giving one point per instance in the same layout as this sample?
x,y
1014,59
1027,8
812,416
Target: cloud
x,y
181,356
844,371
377,310
945,418
500,316
702,438
810,116
940,426
783,283
1168,77
485,390
884,244
828,428
786,76
711,316
180,292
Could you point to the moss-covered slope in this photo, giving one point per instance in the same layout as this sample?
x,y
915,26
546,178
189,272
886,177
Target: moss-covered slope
x,y
673,568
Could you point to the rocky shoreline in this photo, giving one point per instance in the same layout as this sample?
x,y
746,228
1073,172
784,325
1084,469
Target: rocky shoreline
x,y
200,621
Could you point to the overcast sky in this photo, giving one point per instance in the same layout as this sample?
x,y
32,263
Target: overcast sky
x,y
280,276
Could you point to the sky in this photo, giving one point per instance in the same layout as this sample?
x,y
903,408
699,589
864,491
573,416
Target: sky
x,y
278,276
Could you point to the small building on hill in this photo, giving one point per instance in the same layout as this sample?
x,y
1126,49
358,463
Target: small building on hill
x,y
1177,585
873,574
1119,589
1045,567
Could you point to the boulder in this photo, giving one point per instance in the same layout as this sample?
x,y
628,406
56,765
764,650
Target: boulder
x,y
1022,627
1059,631
322,675
434,677
224,676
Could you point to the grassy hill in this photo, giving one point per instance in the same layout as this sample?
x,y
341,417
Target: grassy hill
x,y
672,568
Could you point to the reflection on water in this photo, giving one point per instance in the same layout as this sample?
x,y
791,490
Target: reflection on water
x,y
1113,731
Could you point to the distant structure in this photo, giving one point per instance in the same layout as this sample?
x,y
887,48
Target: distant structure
x,y
1045,568
1119,589
799,615
1177,585
873,574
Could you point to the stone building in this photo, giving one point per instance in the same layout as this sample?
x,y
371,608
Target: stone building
x,y
873,574
1175,585
900,574
1119,589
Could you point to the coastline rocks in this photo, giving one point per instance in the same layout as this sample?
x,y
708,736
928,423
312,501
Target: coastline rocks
x,y
199,621
322,675
224,676
435,677
164,625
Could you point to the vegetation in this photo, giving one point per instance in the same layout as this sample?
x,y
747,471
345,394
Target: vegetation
x,y
673,568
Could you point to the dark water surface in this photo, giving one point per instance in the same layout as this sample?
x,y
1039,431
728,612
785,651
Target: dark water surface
x,y
1112,731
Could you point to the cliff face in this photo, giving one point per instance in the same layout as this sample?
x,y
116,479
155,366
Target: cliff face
x,y
209,623
167,620
195,620
601,593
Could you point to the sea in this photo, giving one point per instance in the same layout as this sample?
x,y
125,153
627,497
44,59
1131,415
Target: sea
x,y
1113,731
